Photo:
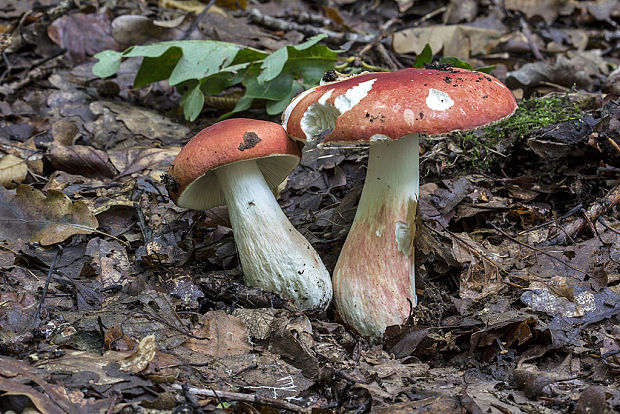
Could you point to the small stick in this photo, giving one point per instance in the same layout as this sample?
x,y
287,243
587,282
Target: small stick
x,y
535,249
37,315
477,252
237,396
278,24
554,221
389,61
23,35
197,20
596,210
530,40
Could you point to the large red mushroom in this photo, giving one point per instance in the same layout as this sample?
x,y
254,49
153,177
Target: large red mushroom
x,y
374,278
239,162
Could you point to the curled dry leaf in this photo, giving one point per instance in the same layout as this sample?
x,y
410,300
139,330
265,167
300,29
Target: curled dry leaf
x,y
143,355
79,159
64,131
136,30
12,170
47,219
562,72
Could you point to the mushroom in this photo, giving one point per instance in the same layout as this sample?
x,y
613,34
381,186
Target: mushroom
x,y
374,277
238,162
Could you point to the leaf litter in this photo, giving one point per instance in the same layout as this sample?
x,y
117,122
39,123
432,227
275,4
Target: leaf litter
x,y
113,298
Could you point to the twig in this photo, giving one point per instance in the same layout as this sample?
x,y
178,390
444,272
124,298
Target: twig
x,y
597,209
34,75
478,253
430,15
197,20
278,24
607,226
389,61
30,34
237,396
550,222
530,40
190,398
147,232
536,249
171,326
37,315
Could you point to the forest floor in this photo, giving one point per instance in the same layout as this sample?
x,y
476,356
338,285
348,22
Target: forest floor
x,y
113,299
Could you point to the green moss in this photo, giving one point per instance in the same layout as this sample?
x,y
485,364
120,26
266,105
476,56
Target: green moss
x,y
483,147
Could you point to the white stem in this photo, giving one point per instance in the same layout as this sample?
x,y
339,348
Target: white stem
x,y
273,255
375,274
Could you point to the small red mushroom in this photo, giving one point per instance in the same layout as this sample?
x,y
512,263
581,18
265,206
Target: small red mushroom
x,y
374,278
238,162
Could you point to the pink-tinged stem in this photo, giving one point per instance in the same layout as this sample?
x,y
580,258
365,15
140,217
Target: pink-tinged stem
x,y
375,273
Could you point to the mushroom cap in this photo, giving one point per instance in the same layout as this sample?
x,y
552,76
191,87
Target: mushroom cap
x,y
389,105
194,184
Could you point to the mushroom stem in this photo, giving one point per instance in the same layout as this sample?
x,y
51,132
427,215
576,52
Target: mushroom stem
x,y
273,255
375,275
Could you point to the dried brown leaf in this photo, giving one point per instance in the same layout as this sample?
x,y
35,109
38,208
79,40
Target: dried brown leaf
x,y
82,34
13,170
54,398
148,123
135,29
143,355
79,159
139,159
547,9
47,219
455,40
225,336
43,402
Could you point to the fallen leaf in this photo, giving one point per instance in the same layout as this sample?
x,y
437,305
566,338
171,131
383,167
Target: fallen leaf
x,y
455,40
223,335
46,219
79,159
133,29
82,35
139,159
13,171
53,398
562,72
141,121
141,357
547,9
44,403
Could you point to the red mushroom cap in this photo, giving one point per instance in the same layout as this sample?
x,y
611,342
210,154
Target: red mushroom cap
x,y
389,105
192,184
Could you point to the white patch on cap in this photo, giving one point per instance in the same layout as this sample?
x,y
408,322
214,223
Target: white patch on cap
x,y
320,117
325,97
287,112
353,96
409,117
438,100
